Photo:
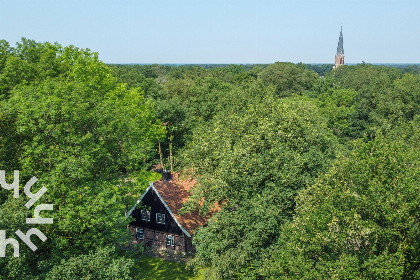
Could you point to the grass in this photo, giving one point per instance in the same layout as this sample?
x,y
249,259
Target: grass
x,y
158,269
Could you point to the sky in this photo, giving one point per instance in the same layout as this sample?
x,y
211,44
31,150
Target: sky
x,y
221,31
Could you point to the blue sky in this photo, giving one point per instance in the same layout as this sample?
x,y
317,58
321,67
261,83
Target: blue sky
x,y
228,31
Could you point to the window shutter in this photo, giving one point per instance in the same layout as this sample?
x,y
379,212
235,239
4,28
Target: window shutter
x,y
139,234
170,240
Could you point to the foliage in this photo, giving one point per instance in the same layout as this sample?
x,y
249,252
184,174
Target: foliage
x,y
359,221
189,104
101,264
254,137
338,105
251,153
13,214
288,78
134,78
321,69
253,162
400,104
86,138
365,77
370,82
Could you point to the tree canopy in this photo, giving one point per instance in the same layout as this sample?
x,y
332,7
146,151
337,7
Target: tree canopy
x,y
264,141
358,221
309,173
66,120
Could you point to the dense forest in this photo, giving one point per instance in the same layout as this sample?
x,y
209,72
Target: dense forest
x,y
316,171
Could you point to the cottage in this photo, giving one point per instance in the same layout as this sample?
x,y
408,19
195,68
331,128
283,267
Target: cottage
x,y
158,222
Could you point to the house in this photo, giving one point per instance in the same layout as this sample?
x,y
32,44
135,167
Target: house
x,y
158,222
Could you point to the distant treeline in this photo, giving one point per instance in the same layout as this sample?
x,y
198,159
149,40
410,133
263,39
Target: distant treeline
x,y
320,68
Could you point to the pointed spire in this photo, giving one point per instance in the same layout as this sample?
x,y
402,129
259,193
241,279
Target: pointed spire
x,y
340,47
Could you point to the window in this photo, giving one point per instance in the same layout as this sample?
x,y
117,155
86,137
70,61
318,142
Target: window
x,y
145,215
139,234
170,240
160,218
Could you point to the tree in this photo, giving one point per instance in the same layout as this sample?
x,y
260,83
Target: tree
x,y
288,78
358,221
399,104
86,138
371,83
101,264
252,161
338,105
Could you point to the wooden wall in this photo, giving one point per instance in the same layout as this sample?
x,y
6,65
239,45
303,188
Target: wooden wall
x,y
157,239
152,203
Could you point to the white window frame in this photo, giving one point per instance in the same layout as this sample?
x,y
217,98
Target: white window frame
x,y
145,215
138,232
160,218
170,240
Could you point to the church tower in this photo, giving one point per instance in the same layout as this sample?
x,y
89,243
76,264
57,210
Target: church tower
x,y
339,56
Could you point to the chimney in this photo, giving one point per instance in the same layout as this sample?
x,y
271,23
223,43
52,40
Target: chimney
x,y
166,174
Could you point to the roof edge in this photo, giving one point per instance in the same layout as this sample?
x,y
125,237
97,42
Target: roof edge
x,y
139,200
151,186
170,211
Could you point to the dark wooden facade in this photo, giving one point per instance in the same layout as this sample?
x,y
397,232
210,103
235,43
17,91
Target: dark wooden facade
x,y
155,235
158,240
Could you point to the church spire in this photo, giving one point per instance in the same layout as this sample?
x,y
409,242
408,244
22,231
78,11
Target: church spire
x,y
339,56
340,47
